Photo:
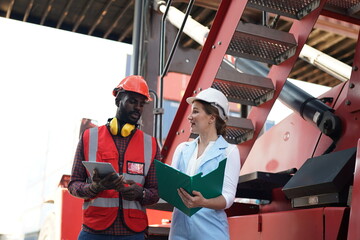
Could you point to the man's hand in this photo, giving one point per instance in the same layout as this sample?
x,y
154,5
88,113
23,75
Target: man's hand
x,y
131,192
110,181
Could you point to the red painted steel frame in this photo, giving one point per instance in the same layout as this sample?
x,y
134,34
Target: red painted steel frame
x,y
353,95
278,74
354,221
226,20
347,107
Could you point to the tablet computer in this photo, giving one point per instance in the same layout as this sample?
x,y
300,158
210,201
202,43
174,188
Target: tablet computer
x,y
104,168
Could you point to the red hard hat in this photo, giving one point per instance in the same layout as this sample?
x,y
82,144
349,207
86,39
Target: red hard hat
x,y
133,83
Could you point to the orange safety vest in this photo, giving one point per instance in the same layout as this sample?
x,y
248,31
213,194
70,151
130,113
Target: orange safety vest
x,y
100,212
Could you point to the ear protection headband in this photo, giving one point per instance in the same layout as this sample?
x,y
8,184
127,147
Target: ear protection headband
x,y
124,131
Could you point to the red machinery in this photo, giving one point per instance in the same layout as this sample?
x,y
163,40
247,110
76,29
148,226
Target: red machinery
x,y
321,199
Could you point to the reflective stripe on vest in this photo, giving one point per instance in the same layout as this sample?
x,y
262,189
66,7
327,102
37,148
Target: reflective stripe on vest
x,y
108,202
102,202
93,143
139,178
147,160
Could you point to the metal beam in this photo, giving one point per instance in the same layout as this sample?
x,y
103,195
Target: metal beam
x,y
82,15
320,38
28,10
11,5
330,42
337,26
115,23
126,33
101,16
64,13
211,4
46,13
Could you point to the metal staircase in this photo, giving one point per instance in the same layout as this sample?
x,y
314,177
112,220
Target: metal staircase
x,y
229,35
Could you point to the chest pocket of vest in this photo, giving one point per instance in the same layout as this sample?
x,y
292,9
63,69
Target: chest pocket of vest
x,y
108,156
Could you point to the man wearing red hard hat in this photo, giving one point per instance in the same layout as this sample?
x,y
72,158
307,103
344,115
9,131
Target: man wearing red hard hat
x,y
114,204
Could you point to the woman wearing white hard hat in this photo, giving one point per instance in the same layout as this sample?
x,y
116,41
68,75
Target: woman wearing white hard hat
x,y
209,113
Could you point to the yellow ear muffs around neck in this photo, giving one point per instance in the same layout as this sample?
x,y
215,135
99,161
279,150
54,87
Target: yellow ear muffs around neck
x,y
125,130
114,129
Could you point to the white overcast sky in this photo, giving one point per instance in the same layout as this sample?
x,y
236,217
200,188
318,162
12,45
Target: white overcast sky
x,y
49,80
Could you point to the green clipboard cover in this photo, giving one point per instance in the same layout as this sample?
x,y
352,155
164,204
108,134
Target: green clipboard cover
x,y
171,179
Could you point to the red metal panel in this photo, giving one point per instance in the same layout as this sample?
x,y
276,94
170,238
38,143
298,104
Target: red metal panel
x,y
286,145
294,225
278,74
226,20
158,217
353,101
244,227
354,222
70,215
334,217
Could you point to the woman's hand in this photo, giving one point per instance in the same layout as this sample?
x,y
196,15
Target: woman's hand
x,y
192,201
198,200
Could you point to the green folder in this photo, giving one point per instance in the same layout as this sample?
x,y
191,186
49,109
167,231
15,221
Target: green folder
x,y
171,179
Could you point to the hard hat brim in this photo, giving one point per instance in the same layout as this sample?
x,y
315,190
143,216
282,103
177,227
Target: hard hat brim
x,y
190,100
222,113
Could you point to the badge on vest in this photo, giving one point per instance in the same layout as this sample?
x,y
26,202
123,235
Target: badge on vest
x,y
135,168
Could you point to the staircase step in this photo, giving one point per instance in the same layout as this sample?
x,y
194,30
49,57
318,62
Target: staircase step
x,y
347,8
243,88
261,44
296,9
238,130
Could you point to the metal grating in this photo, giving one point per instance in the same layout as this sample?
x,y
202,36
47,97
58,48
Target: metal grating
x,y
239,130
347,7
296,9
244,94
262,44
243,88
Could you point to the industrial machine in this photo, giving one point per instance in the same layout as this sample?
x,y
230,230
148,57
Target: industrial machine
x,y
302,176
303,172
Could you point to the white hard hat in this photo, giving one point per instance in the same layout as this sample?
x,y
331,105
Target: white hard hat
x,y
215,98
